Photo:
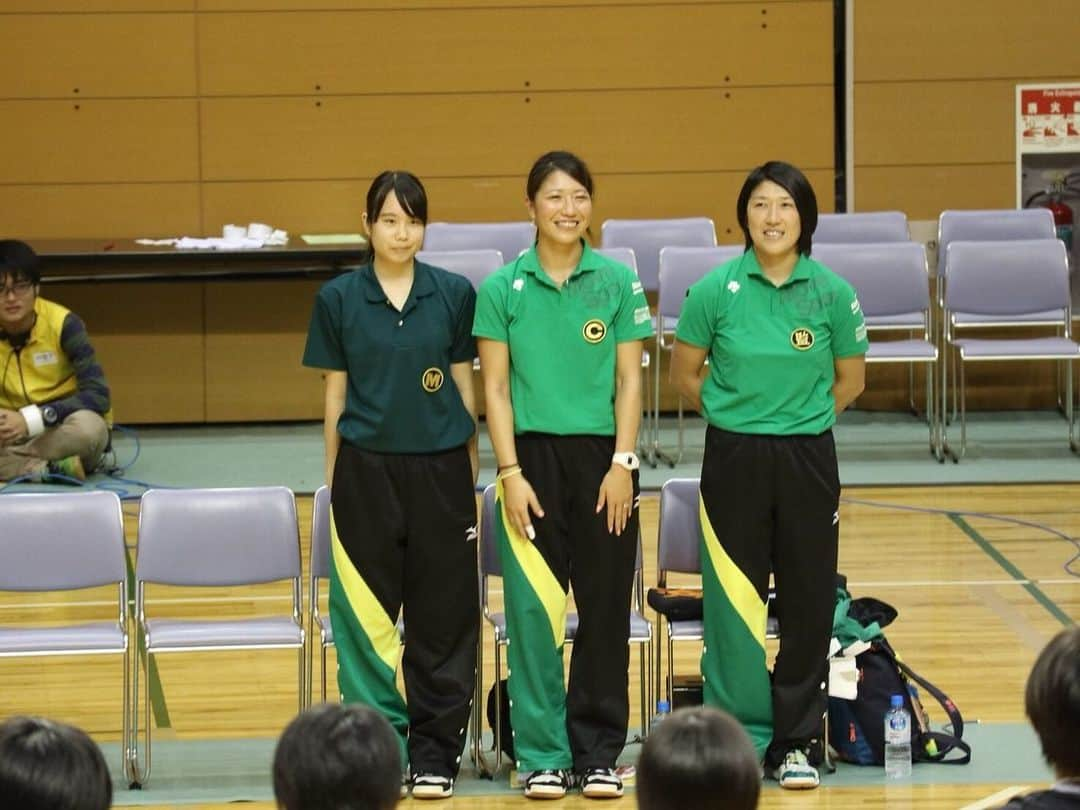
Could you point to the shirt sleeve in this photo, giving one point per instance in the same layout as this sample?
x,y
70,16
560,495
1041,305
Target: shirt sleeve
x,y
848,326
491,320
633,320
324,348
92,392
697,325
463,348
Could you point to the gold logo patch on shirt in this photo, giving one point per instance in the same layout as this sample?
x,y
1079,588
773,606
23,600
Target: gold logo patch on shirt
x,y
432,380
802,338
594,331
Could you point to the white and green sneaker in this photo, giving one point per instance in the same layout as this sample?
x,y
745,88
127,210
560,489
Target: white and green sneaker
x,y
796,772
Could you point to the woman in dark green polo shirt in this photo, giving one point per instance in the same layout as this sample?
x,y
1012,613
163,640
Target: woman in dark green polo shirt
x,y
560,338
785,340
400,428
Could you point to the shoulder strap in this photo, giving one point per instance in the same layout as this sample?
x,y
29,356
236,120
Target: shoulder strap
x,y
944,742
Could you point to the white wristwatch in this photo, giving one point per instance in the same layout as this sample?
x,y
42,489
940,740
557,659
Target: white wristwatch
x,y
629,461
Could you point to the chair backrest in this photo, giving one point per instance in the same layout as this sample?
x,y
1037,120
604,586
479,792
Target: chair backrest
x,y
218,536
993,225
509,238
475,265
1008,279
678,545
624,255
890,278
680,267
863,226
61,541
320,534
647,236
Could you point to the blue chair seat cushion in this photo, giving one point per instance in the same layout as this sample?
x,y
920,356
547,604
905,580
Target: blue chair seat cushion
x,y
95,637
179,634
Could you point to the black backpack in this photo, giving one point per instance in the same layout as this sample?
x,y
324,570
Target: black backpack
x,y
857,727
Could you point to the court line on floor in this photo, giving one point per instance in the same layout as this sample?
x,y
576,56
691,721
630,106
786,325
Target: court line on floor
x,y
1006,564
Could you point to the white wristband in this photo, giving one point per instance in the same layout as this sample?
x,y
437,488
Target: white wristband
x,y
35,423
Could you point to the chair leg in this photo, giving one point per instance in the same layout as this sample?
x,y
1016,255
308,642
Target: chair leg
x,y
301,680
477,714
128,757
497,730
322,671
963,408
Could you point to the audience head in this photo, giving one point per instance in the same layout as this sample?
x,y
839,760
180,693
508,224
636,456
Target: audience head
x,y
45,765
335,757
18,262
698,759
1052,701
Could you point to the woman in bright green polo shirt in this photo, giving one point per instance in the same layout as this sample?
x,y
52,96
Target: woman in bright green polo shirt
x,y
560,334
395,339
785,341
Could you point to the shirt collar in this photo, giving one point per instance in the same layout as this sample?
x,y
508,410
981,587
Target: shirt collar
x,y
801,272
423,285
590,260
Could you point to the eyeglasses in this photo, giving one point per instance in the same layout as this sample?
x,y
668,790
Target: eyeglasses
x,y
18,289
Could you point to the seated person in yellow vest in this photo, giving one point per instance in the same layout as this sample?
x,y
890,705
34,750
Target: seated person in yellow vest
x,y
54,402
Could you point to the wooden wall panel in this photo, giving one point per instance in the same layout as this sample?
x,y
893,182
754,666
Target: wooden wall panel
x,y
91,211
965,39
46,55
92,6
99,141
149,339
906,123
255,333
335,206
367,5
501,134
923,192
598,48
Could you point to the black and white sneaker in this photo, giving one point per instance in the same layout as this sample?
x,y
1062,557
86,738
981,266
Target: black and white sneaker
x,y
547,784
432,786
406,782
601,783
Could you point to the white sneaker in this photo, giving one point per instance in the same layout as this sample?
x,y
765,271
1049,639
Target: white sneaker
x,y
547,784
432,786
796,772
601,783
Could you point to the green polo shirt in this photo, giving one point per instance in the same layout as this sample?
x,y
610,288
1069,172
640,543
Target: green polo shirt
x,y
771,349
400,397
562,339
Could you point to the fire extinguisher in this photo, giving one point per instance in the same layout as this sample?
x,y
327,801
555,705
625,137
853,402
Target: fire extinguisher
x,y
1061,211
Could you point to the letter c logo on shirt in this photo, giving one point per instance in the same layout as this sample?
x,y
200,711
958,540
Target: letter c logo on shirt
x,y
802,338
432,380
594,331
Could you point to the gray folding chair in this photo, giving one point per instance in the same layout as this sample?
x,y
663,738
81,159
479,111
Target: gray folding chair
x,y
864,226
215,538
992,225
647,236
625,255
319,626
680,267
63,542
491,566
509,238
475,265
893,286
1009,284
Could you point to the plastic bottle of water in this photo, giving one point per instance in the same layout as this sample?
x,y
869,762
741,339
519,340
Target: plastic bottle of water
x,y
663,709
897,740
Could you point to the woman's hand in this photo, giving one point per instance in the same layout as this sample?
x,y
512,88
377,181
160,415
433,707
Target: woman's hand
x,y
519,500
617,494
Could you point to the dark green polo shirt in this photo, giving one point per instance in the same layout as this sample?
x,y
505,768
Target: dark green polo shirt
x,y
400,397
771,349
562,339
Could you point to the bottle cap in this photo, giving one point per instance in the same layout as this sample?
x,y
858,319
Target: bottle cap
x,y
663,707
897,701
